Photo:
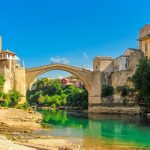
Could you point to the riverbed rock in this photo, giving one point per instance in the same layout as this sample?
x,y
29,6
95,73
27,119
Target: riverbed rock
x,y
17,125
19,119
8,145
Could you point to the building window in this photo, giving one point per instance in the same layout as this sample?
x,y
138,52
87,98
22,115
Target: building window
x,y
4,55
127,63
0,56
96,67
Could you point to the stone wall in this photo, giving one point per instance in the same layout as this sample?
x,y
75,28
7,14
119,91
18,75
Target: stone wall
x,y
115,110
9,79
103,64
121,78
20,81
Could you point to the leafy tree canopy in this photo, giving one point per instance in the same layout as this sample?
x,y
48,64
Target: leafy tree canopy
x,y
48,92
141,79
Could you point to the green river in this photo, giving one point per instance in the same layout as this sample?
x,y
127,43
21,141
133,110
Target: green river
x,y
97,131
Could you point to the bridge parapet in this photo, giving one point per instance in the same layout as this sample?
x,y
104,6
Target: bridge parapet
x,y
56,64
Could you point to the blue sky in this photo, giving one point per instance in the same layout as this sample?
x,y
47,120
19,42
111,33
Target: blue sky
x,y
72,31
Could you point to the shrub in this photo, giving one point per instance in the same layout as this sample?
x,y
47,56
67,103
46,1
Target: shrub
x,y
14,98
124,90
24,106
107,91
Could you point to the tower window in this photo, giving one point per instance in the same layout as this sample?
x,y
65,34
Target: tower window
x,y
96,67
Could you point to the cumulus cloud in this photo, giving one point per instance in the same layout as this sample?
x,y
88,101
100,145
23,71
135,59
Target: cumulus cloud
x,y
85,55
59,60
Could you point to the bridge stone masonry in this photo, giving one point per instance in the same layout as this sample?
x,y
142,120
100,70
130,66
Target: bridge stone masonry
x,y
91,79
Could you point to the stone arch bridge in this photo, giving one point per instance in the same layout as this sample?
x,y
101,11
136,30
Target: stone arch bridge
x,y
91,79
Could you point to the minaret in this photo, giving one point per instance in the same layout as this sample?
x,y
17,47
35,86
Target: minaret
x,y
0,43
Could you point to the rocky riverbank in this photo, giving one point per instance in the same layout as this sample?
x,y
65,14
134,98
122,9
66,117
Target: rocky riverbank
x,y
16,128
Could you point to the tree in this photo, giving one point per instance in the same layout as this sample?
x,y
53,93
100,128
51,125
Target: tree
x,y
40,100
141,79
52,93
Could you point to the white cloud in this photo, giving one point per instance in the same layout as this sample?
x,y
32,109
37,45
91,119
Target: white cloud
x,y
65,60
60,77
59,60
85,55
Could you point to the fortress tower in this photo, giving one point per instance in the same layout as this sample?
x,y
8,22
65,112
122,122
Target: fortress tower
x,y
144,40
13,73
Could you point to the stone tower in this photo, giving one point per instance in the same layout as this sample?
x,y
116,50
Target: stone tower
x,y
12,71
144,40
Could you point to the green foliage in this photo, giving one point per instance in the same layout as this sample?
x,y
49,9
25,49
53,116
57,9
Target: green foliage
x,y
8,100
51,93
40,100
24,106
124,90
76,96
107,90
14,98
11,99
2,81
141,79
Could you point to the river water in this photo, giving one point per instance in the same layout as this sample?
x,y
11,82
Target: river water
x,y
97,131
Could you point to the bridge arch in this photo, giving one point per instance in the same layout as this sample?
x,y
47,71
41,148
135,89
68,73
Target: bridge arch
x,y
83,74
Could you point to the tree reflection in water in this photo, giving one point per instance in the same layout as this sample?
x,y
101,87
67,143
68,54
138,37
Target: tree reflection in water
x,y
114,128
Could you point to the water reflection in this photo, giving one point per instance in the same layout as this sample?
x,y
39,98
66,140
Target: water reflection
x,y
100,129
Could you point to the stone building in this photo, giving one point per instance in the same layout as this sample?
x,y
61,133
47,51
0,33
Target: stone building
x,y
104,65
144,40
118,72
13,72
125,66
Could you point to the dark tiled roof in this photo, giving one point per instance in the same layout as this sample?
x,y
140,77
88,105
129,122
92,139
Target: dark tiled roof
x,y
121,56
